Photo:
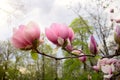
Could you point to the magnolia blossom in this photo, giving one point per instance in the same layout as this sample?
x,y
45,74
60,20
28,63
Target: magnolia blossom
x,y
117,34
111,10
117,20
93,45
79,52
83,58
108,70
96,68
107,66
25,35
59,34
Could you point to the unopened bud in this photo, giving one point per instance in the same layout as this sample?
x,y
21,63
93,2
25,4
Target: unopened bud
x,y
93,45
112,11
117,34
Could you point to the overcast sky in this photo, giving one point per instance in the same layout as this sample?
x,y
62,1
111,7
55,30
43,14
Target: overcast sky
x,y
44,12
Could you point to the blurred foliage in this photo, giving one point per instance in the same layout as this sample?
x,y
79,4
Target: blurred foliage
x,y
82,32
27,65
74,69
34,55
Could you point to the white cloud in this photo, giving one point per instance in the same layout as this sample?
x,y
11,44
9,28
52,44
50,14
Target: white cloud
x,y
44,12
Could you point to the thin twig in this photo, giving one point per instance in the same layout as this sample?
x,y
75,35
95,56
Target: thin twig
x,y
117,53
76,56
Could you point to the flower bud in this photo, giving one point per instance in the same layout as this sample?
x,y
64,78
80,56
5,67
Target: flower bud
x,y
82,58
111,20
96,68
117,20
69,47
112,11
93,45
77,52
117,34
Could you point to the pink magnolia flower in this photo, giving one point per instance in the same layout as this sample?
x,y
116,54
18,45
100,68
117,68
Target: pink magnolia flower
x,y
107,66
111,10
103,61
83,58
59,34
25,35
112,61
79,52
117,34
108,70
117,20
96,68
93,45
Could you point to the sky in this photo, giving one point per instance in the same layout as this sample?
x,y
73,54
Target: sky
x,y
44,12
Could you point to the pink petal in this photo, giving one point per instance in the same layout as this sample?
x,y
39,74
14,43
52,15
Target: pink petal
x,y
111,61
83,58
32,32
54,27
93,45
64,32
60,30
69,47
117,20
18,39
71,34
18,43
108,69
103,61
60,41
117,30
51,35
96,68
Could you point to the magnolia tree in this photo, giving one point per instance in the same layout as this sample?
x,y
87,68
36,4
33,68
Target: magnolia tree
x,y
27,37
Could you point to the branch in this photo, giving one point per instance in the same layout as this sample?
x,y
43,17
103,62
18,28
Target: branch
x,y
75,57
117,53
45,54
110,56
62,57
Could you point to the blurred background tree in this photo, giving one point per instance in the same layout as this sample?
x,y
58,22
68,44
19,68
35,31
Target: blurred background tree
x,y
18,65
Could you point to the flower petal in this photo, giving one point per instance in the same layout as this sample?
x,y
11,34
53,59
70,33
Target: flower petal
x,y
51,35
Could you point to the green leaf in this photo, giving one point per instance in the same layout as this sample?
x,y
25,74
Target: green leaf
x,y
97,57
34,55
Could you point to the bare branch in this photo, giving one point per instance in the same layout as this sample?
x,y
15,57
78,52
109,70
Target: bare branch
x,y
69,57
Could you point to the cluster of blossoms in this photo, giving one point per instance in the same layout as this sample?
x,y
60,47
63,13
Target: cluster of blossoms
x,y
107,66
27,37
110,65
